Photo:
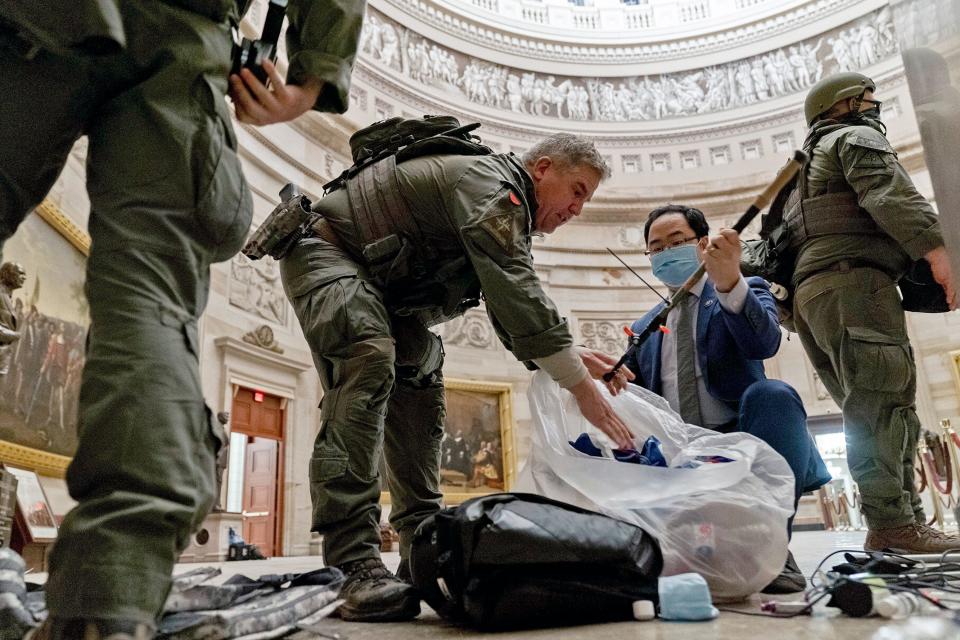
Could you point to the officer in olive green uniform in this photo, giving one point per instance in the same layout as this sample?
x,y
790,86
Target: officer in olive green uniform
x,y
145,81
472,219
861,224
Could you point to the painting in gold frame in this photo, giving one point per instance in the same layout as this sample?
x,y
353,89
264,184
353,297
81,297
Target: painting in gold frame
x,y
478,451
40,393
955,371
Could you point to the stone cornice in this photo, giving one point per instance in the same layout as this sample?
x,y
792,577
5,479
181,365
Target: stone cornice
x,y
330,131
241,349
462,27
632,209
257,134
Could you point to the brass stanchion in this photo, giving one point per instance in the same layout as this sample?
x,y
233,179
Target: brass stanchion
x,y
933,480
953,449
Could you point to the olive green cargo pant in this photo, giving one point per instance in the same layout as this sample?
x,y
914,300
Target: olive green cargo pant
x,y
383,397
167,199
853,329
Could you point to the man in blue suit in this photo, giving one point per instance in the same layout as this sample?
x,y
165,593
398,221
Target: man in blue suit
x,y
709,363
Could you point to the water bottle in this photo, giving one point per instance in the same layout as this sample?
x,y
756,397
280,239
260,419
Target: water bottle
x,y
900,605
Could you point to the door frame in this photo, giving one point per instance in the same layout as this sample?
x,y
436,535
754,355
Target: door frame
x,y
244,365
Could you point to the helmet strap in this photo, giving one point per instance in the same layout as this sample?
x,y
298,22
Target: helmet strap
x,y
857,102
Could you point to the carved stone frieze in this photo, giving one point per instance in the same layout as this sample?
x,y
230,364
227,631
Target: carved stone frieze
x,y
472,329
788,70
255,287
920,23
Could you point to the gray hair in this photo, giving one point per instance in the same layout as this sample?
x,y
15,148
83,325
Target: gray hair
x,y
568,151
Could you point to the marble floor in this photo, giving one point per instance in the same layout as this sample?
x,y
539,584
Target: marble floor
x,y
808,548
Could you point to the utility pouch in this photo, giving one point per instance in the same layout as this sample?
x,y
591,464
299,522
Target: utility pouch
x,y
382,250
392,262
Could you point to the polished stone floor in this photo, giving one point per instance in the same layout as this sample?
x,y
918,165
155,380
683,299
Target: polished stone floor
x,y
808,547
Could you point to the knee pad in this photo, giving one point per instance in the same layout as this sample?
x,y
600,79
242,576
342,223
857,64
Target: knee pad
x,y
419,360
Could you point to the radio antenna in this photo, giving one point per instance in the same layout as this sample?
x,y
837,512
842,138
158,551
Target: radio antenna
x,y
649,286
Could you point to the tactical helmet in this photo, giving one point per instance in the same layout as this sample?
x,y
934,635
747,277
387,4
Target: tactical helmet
x,y
832,89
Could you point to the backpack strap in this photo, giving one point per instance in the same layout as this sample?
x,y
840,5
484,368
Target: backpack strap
x,y
835,212
378,205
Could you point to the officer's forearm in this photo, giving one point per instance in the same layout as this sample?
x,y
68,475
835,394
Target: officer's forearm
x,y
900,210
565,367
322,40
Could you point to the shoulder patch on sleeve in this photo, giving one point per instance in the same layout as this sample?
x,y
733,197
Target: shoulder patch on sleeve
x,y
501,227
875,142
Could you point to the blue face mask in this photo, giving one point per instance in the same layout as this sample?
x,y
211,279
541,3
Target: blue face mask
x,y
673,266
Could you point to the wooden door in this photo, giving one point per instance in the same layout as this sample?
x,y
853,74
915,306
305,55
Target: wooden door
x,y
257,414
260,494
260,416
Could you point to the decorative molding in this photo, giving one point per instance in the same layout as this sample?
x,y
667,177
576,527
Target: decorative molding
x,y
544,48
259,136
604,335
263,337
43,462
66,227
472,329
240,349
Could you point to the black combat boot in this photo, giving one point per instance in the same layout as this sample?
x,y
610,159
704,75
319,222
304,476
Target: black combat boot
x,y
790,580
373,594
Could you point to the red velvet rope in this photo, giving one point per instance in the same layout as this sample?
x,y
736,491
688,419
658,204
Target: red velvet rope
x,y
935,479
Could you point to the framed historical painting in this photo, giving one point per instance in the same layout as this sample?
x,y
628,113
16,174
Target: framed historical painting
x,y
34,506
955,369
39,393
477,453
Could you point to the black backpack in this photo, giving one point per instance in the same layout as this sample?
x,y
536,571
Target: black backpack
x,y
516,560
408,138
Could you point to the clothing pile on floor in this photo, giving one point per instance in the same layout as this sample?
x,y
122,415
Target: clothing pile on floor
x,y
240,608
650,454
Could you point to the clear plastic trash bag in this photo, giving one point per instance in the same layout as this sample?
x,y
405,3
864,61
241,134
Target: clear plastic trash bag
x,y
726,521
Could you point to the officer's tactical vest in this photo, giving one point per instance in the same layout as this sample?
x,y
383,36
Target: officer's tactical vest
x,y
794,218
391,243
835,212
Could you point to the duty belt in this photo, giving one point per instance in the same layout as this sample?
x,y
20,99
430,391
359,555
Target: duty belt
x,y
845,266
